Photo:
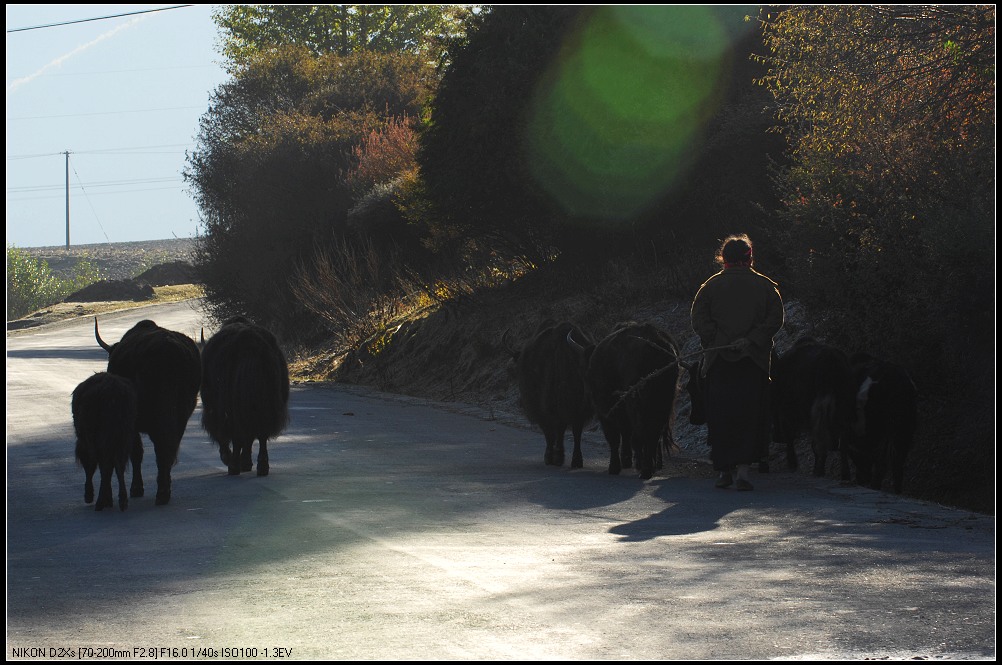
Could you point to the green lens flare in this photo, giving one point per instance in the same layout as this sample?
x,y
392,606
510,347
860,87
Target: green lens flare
x,y
617,118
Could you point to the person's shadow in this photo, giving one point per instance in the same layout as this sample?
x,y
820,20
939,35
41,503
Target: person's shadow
x,y
691,506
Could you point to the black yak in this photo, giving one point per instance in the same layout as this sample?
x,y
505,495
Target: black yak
x,y
245,392
812,391
165,368
632,379
104,409
552,390
886,416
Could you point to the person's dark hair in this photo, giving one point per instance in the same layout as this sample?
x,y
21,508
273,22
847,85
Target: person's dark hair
x,y
736,249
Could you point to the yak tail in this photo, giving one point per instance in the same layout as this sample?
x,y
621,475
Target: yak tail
x,y
262,407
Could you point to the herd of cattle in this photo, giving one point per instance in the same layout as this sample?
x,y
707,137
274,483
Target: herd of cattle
x,y
152,383
863,407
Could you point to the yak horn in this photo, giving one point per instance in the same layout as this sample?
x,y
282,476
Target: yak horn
x,y
574,345
104,345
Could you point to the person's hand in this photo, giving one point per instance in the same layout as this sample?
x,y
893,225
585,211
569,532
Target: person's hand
x,y
742,344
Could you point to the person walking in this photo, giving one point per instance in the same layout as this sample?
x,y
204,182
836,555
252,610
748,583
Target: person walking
x,y
741,309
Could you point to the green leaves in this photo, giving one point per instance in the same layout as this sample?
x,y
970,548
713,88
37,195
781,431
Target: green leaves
x,y
338,29
31,284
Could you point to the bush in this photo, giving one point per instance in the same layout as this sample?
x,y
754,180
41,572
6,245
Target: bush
x,y
269,173
31,285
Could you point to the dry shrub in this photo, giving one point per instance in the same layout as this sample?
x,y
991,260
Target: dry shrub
x,y
350,286
384,154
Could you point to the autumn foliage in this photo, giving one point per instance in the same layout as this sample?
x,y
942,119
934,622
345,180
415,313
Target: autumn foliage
x,y
889,199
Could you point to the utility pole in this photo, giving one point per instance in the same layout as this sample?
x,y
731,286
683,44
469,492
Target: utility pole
x,y
67,199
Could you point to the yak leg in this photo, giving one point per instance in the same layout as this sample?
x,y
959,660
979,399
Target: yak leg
x,y
262,458
881,455
648,453
554,455
577,461
791,456
123,496
859,455
234,463
626,447
613,437
559,432
820,444
165,447
224,452
246,462
104,493
843,451
136,457
626,452
897,473
900,446
821,436
90,466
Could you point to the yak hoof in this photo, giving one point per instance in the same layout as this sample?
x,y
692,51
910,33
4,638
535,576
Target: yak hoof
x,y
162,499
577,463
233,470
262,470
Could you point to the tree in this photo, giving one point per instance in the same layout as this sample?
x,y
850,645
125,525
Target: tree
x,y
470,154
269,171
338,29
889,202
594,126
889,112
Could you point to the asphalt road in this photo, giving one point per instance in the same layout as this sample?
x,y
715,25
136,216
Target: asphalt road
x,y
392,528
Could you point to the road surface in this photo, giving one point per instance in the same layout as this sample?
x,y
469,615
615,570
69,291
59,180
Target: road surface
x,y
392,528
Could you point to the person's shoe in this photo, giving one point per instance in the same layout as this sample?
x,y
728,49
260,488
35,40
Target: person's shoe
x,y
725,480
744,485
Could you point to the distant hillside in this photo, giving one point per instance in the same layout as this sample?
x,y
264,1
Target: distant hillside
x,y
119,260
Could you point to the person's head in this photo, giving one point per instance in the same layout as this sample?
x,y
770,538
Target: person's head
x,y
736,250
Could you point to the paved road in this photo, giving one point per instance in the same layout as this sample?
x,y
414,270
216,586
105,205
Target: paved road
x,y
396,529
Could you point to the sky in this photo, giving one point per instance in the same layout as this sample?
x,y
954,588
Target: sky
x,y
123,95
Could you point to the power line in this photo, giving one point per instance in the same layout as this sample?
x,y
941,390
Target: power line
x,y
98,18
124,150
99,183
80,115
73,188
